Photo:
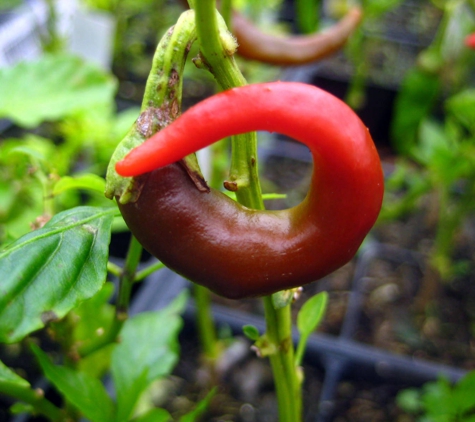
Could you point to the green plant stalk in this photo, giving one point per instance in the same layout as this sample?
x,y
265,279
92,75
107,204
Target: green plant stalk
x,y
286,378
205,323
307,15
244,171
127,279
451,216
226,11
162,92
204,315
148,271
221,63
34,398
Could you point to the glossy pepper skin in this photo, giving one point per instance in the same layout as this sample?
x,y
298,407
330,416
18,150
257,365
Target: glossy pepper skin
x,y
239,252
292,50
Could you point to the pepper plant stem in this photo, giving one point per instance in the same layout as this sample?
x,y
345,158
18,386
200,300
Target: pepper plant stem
x,y
127,279
222,65
205,323
244,171
35,398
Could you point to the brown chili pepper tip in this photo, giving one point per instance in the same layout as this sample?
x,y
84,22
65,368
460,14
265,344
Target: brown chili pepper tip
x,y
292,50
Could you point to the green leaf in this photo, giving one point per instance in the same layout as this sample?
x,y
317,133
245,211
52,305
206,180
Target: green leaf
x,y
19,408
462,107
438,401
154,415
8,377
432,141
200,408
410,400
49,271
464,396
311,313
417,96
87,181
51,88
84,392
376,8
148,351
91,319
10,4
251,332
308,319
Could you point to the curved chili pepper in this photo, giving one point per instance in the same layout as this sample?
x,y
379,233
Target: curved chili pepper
x,y
239,252
292,50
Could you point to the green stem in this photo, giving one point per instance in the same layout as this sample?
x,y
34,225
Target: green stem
x,y
205,323
127,279
244,173
114,269
35,398
126,282
288,385
215,51
307,15
149,270
226,11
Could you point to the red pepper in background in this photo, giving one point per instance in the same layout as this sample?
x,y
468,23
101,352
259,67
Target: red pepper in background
x,y
239,252
470,41
292,50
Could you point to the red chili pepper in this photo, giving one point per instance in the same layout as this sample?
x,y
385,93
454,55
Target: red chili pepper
x,y
291,50
470,41
239,252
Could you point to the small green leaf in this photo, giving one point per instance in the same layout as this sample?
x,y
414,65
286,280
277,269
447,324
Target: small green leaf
x,y
51,88
85,181
464,396
148,350
154,415
8,377
415,100
311,313
251,332
432,140
200,408
462,107
49,271
91,320
437,400
86,393
271,196
18,408
410,400
308,319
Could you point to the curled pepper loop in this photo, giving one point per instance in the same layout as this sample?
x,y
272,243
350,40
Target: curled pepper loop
x,y
240,252
293,50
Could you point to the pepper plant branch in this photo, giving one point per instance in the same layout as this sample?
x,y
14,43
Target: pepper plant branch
x,y
244,165
34,398
217,47
149,270
114,269
126,282
205,323
161,104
